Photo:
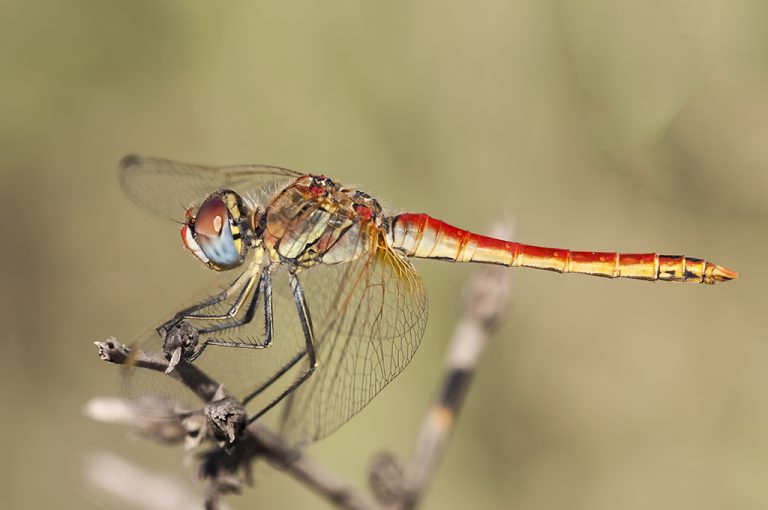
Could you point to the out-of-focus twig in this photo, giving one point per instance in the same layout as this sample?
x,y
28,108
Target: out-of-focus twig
x,y
485,298
128,484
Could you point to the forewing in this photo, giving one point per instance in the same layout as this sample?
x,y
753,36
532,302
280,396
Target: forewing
x,y
168,187
369,316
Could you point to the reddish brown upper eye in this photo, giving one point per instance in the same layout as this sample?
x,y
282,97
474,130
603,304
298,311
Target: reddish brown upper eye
x,y
211,217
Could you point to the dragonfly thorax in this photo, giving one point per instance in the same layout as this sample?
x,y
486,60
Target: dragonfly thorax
x,y
316,220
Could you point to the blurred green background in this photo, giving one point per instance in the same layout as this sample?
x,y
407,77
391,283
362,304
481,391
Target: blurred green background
x,y
593,124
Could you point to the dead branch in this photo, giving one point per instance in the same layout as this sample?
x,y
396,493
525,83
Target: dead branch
x,y
220,465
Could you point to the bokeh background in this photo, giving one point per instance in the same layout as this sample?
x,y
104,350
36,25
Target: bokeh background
x,y
592,124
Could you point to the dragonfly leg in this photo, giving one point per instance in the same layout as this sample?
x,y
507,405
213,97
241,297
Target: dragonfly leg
x,y
242,281
180,338
265,287
277,375
188,312
309,352
233,310
222,343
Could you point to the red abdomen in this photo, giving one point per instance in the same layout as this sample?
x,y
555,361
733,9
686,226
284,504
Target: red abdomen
x,y
420,235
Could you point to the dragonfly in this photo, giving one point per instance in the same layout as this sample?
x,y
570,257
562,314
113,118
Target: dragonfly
x,y
318,304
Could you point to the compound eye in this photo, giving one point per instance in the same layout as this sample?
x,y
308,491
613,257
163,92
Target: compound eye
x,y
211,217
212,231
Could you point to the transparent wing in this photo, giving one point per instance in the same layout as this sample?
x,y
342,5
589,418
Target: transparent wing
x,y
168,188
369,316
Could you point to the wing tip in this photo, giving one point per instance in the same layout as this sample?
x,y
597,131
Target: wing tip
x,y
129,161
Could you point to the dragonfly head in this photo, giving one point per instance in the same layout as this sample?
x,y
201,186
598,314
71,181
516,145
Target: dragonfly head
x,y
214,231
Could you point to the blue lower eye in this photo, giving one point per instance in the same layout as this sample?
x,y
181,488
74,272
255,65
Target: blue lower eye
x,y
220,250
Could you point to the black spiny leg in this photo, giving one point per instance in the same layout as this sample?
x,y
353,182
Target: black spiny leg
x,y
265,287
269,330
277,375
213,300
250,312
233,310
180,338
309,341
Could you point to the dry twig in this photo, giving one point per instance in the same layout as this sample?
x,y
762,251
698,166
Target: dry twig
x,y
220,465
